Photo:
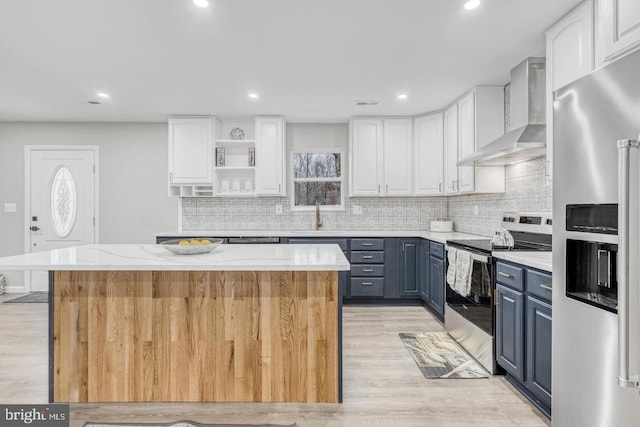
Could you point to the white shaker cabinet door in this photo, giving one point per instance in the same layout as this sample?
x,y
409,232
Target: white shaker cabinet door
x,y
397,155
428,155
366,157
191,150
570,55
270,163
466,142
451,150
621,27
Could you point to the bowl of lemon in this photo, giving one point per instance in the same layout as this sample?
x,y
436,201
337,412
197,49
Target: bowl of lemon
x,y
191,246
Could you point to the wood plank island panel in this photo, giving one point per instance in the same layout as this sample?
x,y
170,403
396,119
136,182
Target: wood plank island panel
x,y
195,336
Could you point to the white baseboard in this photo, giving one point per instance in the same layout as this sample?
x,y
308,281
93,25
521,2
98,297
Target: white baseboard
x,y
15,290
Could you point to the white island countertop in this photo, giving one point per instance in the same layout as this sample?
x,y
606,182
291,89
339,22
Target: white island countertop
x,y
132,257
541,260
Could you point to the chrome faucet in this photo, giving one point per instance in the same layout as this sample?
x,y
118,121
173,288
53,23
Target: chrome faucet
x,y
318,222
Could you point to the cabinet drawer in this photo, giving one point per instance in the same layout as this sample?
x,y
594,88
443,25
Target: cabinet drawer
x,y
367,244
539,284
436,249
509,275
361,287
363,270
361,257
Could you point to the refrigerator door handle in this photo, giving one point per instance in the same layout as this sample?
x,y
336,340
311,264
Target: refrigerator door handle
x,y
624,377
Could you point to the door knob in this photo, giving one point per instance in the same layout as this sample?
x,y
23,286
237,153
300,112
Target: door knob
x,y
34,228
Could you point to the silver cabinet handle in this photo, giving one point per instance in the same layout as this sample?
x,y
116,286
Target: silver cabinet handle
x,y
367,283
378,188
279,188
367,270
367,256
387,189
503,274
547,287
170,176
624,377
439,187
367,244
453,184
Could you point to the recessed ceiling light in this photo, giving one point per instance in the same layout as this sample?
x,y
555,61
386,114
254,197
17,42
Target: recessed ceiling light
x,y
201,3
472,4
103,95
253,95
402,96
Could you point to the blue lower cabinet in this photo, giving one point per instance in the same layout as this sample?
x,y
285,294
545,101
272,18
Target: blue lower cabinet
x,y
510,331
539,349
436,285
424,271
409,268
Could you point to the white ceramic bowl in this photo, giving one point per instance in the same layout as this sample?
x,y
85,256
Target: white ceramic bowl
x,y
176,248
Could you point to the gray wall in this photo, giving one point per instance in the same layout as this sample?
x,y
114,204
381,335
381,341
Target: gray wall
x,y
132,172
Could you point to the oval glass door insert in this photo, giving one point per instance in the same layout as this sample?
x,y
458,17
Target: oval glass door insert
x,y
63,202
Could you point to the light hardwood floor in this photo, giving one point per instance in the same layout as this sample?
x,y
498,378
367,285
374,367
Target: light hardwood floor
x,y
382,384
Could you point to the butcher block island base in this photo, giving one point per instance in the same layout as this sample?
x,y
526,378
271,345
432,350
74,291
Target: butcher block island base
x,y
195,336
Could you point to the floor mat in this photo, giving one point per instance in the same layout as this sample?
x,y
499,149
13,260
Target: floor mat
x,y
440,356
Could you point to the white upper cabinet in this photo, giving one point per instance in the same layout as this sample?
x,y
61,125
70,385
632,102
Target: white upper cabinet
x,y
470,124
366,157
270,166
397,147
428,155
570,55
191,155
466,142
380,153
620,26
451,150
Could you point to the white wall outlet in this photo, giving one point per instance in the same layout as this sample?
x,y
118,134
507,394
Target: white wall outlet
x,y
356,209
476,210
279,209
10,208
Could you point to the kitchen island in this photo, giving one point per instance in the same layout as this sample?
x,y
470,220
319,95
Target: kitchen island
x,y
246,323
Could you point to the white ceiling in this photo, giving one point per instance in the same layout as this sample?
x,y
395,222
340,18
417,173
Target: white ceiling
x,y
309,60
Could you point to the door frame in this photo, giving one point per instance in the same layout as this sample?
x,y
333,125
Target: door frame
x,y
28,150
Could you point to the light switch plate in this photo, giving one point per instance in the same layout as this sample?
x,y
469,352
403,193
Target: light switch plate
x,y
476,210
10,208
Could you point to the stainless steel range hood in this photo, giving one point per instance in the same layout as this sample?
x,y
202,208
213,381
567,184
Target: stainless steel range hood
x,y
527,138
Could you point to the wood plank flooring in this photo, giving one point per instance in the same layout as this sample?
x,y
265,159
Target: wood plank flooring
x,y
382,384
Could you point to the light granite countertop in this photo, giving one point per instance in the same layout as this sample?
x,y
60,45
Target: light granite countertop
x,y
132,257
430,235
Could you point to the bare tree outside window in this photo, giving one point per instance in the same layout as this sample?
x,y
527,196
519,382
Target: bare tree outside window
x,y
317,176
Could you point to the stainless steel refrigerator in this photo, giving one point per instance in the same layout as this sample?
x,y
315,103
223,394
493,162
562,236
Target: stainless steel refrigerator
x,y
596,254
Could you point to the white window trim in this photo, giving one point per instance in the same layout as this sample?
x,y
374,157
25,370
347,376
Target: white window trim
x,y
324,208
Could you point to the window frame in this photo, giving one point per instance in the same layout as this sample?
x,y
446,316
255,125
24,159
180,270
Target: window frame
x,y
340,179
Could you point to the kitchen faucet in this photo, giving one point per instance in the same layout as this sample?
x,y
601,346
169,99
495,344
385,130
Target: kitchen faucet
x,y
318,222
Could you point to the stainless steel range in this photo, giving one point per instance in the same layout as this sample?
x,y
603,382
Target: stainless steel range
x,y
470,311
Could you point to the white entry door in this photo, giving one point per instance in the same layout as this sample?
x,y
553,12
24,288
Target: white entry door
x,y
61,187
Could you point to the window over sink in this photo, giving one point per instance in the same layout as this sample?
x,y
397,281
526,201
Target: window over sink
x,y
317,176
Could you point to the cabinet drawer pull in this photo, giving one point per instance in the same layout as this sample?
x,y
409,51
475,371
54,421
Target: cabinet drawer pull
x,y
367,270
367,256
367,283
547,287
502,273
367,244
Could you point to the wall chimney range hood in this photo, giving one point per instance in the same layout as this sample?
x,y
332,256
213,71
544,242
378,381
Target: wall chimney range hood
x,y
527,138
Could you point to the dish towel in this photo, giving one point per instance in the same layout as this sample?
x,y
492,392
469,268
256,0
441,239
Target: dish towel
x,y
451,270
464,265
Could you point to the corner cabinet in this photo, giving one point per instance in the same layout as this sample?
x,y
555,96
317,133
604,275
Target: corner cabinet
x,y
381,157
470,124
191,155
570,55
428,155
270,166
620,27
